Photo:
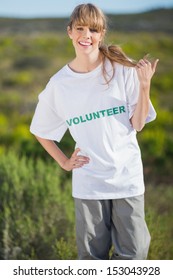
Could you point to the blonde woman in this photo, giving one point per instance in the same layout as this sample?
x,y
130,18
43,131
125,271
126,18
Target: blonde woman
x,y
103,98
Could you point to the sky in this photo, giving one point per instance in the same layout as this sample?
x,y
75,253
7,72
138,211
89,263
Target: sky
x,y
63,8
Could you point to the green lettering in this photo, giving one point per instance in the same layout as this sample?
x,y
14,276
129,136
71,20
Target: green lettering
x,y
89,117
103,112
81,119
69,122
115,110
96,115
109,112
76,120
122,109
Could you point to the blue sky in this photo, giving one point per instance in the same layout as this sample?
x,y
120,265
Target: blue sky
x,y
58,8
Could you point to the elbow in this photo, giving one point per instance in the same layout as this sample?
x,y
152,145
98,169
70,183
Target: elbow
x,y
139,128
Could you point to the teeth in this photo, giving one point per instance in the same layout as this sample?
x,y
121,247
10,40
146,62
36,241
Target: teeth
x,y
85,44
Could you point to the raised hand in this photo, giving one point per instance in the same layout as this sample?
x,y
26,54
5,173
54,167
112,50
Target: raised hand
x,y
145,70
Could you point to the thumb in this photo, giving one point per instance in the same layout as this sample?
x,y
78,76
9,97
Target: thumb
x,y
75,152
154,65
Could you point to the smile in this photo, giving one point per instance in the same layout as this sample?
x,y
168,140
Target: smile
x,y
85,44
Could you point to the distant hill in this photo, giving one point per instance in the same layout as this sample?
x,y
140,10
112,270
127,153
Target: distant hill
x,y
155,20
151,21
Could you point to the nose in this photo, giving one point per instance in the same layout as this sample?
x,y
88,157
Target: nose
x,y
86,33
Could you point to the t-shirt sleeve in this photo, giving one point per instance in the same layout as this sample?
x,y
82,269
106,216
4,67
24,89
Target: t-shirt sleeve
x,y
132,92
47,122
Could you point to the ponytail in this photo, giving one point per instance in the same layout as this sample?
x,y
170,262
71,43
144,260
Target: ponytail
x,y
114,54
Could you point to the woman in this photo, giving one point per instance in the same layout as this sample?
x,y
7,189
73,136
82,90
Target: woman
x,y
103,98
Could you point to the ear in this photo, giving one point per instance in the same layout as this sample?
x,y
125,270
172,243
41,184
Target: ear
x,y
69,32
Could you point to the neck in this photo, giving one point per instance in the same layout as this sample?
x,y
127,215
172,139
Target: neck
x,y
84,64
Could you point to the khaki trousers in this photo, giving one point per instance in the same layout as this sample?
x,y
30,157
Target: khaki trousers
x,y
105,224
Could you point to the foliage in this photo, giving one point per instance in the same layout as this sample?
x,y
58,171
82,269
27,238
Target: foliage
x,y
36,209
159,217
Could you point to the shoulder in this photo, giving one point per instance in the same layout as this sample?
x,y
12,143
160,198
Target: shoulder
x,y
119,68
129,73
126,70
59,75
123,72
52,87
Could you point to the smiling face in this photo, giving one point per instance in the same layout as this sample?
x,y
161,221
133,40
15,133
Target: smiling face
x,y
86,28
85,39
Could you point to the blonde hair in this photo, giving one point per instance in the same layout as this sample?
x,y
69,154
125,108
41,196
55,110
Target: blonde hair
x,y
92,16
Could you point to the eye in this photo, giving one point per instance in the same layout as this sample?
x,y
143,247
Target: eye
x,y
93,30
79,28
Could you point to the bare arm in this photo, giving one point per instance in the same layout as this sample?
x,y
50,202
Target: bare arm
x,y
66,163
145,71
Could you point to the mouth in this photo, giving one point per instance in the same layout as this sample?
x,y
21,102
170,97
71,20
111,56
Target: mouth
x,y
85,44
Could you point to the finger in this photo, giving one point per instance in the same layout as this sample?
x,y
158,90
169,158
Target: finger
x,y
154,65
77,165
79,161
75,152
146,56
147,61
141,63
82,158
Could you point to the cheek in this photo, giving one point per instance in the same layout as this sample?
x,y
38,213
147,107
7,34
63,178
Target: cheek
x,y
98,38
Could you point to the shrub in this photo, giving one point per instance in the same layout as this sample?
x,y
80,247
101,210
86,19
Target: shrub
x,y
36,208
159,219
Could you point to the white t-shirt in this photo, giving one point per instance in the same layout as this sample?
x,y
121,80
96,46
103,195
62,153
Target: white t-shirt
x,y
97,116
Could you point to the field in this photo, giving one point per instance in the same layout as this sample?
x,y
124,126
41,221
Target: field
x,y
37,212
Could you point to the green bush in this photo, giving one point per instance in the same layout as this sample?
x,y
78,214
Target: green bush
x,y
36,209
159,215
